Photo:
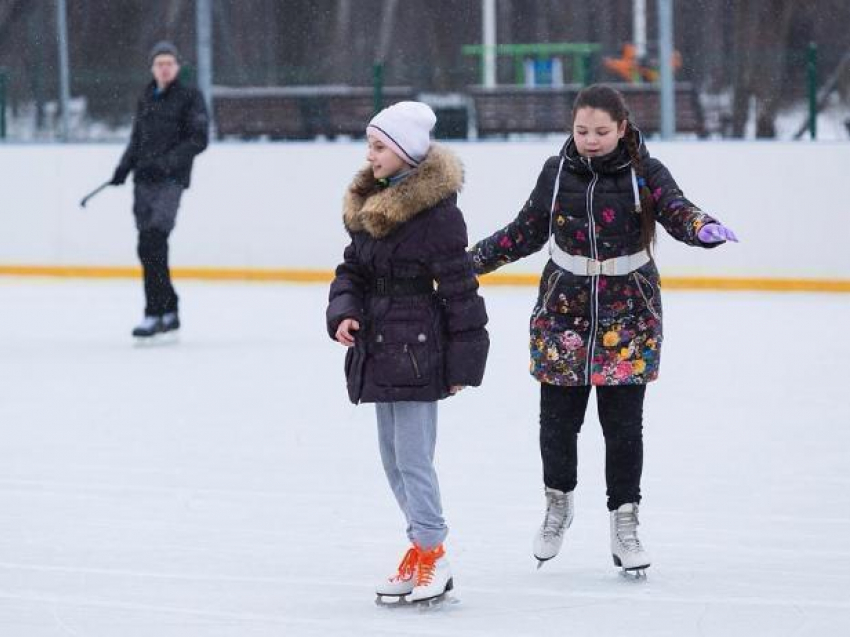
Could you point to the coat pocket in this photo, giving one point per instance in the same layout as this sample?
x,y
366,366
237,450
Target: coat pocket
x,y
402,355
648,293
354,359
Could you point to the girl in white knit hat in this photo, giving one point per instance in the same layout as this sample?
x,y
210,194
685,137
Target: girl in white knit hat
x,y
405,304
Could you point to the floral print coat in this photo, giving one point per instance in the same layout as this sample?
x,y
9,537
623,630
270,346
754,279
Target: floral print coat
x,y
594,330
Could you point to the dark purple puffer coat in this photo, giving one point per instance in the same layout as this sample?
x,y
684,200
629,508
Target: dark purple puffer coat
x,y
416,346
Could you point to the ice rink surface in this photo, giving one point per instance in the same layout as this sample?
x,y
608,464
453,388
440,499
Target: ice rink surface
x,y
223,485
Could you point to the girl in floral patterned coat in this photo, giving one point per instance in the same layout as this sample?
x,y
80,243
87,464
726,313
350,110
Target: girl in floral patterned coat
x,y
598,317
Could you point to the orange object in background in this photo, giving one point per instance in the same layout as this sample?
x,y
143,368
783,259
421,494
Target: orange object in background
x,y
629,68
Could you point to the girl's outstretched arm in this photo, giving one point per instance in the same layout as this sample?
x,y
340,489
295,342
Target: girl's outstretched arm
x,y
526,234
682,219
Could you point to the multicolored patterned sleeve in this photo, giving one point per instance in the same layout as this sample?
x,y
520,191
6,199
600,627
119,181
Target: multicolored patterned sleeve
x,y
680,217
523,236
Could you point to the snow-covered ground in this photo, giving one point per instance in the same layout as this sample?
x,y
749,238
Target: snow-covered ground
x,y
224,486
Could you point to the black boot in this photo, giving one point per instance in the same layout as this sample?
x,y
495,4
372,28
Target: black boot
x,y
170,322
150,326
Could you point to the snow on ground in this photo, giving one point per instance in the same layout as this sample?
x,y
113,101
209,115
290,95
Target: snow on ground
x,y
224,486
831,122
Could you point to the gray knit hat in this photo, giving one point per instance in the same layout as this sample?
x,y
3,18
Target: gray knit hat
x,y
164,48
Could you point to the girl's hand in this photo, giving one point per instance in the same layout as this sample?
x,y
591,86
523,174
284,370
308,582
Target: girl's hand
x,y
455,389
715,233
344,332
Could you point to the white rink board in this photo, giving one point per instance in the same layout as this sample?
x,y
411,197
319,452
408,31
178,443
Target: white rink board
x,y
277,205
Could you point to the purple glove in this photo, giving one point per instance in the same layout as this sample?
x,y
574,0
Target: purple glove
x,y
715,233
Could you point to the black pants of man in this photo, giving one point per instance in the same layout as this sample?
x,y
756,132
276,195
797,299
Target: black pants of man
x,y
155,209
620,409
160,297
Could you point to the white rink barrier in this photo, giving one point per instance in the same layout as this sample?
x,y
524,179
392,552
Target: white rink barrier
x,y
272,210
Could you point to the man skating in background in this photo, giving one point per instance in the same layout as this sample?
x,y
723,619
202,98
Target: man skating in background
x,y
170,128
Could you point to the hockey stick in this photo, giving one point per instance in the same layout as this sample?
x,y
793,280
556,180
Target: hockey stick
x,y
85,199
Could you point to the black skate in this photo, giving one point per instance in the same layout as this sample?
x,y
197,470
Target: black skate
x,y
155,329
170,322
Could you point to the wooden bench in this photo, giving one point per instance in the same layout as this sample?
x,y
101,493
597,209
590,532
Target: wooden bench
x,y
331,111
297,112
513,109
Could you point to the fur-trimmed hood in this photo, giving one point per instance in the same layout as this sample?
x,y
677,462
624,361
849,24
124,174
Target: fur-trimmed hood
x,y
379,211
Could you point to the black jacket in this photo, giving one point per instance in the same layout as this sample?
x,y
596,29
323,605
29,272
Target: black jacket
x,y
411,347
594,330
168,131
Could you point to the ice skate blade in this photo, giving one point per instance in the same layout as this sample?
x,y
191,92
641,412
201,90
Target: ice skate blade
x,y
424,605
402,601
541,561
391,601
435,603
633,574
157,340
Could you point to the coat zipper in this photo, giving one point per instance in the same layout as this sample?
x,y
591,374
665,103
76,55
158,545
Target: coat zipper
x,y
413,361
594,280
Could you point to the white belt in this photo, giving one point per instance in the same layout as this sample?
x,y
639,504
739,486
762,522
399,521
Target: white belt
x,y
583,266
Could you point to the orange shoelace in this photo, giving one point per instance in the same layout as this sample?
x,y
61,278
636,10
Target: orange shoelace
x,y
427,563
408,565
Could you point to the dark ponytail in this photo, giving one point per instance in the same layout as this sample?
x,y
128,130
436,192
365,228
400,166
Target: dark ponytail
x,y
611,101
647,202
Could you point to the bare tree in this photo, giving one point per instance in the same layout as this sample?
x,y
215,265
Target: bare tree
x,y
760,49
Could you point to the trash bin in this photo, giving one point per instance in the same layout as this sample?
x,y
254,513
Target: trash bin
x,y
452,112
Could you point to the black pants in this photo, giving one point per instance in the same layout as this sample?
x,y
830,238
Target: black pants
x,y
621,415
160,297
155,209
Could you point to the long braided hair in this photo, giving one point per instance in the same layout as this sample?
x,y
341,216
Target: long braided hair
x,y
611,101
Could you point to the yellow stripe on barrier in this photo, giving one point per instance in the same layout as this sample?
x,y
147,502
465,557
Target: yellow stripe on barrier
x,y
202,274
287,275
756,284
706,283
71,271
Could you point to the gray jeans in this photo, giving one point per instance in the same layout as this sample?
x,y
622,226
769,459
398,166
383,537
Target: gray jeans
x,y
155,206
407,436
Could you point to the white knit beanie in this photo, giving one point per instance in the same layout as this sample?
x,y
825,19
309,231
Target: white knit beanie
x,y
405,128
